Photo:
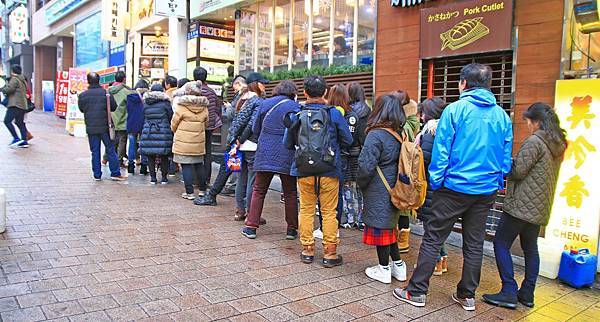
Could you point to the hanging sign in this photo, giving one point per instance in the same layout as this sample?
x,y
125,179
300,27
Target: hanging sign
x,y
61,93
201,7
77,84
576,209
19,25
116,56
60,8
155,46
215,31
466,27
113,26
171,8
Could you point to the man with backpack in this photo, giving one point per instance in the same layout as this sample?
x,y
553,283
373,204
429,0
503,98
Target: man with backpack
x,y
16,106
316,132
471,156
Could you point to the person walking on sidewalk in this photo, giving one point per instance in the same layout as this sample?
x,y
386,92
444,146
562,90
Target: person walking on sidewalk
x,y
16,107
381,153
156,141
95,103
528,202
120,91
318,168
135,124
273,158
471,155
189,124
430,111
214,117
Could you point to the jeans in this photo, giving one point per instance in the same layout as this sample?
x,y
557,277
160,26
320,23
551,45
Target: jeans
x,y
508,230
113,163
164,165
221,179
448,206
353,203
18,116
261,187
120,144
340,205
328,199
191,173
245,184
132,151
208,158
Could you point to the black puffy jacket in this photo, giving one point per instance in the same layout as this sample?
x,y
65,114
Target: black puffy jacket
x,y
157,137
92,103
426,142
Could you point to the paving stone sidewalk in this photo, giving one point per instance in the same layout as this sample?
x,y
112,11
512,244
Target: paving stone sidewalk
x,y
79,250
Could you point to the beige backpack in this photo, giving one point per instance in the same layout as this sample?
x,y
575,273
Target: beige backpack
x,y
410,189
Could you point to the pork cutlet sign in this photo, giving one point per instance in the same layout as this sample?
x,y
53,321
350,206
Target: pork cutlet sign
x,y
466,27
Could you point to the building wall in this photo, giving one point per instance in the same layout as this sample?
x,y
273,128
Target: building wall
x,y
44,64
539,27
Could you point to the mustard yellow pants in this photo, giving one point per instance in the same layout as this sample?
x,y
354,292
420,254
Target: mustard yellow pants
x,y
328,197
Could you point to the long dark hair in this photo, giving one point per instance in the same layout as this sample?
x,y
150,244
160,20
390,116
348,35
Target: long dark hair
x,y
387,113
432,108
356,92
338,96
548,120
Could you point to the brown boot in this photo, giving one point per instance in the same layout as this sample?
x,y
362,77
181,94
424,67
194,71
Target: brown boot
x,y
308,254
438,268
403,240
330,256
445,264
240,214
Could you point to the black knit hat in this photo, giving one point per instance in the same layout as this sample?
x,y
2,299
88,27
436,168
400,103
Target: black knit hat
x,y
157,88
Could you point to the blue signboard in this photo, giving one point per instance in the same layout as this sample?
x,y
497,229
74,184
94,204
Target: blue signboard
x,y
116,56
61,8
90,50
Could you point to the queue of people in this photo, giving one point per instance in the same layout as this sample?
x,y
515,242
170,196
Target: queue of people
x,y
340,159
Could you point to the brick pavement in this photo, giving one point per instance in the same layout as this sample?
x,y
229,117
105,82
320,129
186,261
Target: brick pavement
x,y
78,250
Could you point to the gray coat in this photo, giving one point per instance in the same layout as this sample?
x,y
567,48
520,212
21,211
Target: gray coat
x,y
532,181
382,149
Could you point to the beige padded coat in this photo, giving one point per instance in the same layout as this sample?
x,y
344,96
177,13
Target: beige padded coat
x,y
189,121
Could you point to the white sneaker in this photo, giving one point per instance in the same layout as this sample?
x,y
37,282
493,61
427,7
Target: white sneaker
x,y
188,196
318,234
380,273
399,270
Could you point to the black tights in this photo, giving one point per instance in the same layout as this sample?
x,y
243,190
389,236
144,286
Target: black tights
x,y
384,253
164,165
403,222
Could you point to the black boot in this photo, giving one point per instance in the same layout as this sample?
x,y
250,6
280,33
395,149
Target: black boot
x,y
131,168
501,300
144,169
525,299
207,200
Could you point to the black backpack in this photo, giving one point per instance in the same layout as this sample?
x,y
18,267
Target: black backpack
x,y
314,153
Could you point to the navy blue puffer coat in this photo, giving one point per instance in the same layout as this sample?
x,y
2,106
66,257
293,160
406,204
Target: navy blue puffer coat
x,y
157,137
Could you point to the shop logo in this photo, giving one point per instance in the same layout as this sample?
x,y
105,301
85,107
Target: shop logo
x,y
464,33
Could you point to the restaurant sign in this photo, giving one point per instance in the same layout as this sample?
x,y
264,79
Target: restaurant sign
x,y
466,27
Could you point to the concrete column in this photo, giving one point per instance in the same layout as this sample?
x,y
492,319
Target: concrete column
x,y
177,47
44,68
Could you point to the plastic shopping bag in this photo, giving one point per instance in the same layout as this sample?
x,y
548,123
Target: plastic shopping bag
x,y
233,159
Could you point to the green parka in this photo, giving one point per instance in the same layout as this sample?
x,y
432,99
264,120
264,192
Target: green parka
x,y
119,117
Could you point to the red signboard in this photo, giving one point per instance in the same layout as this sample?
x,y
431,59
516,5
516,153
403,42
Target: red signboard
x,y
466,27
61,93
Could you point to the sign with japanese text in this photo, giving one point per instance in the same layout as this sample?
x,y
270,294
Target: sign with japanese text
x,y
19,25
61,93
466,27
155,46
77,84
215,31
576,209
113,20
171,8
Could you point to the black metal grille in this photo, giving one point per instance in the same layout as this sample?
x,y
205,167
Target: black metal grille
x,y
445,85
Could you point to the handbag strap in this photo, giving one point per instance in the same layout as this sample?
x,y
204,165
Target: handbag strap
x,y
108,113
384,180
272,109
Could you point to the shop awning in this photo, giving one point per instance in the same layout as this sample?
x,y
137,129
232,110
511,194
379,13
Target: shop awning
x,y
406,3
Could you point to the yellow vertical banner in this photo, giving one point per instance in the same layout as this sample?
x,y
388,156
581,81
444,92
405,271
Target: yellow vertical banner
x,y
576,210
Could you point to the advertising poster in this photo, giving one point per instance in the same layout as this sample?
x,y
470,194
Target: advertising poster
x,y
77,84
48,96
62,93
576,209
217,72
91,52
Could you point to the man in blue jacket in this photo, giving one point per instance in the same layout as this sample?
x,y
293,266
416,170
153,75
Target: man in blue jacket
x,y
471,156
323,187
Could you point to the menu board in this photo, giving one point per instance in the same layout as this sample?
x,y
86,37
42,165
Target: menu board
x,y
148,64
217,49
246,40
217,72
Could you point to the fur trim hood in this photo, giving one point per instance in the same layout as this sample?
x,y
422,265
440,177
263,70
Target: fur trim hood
x,y
431,126
153,97
193,103
189,89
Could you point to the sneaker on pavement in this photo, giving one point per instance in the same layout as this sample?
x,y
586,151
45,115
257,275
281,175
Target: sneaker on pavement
x,y
291,234
207,200
15,143
97,179
164,181
501,300
118,178
188,196
318,234
399,270
23,144
153,181
346,226
380,273
468,303
415,300
438,270
249,232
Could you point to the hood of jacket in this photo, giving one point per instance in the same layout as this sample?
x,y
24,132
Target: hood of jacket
x,y
194,104
479,97
430,127
136,97
20,77
115,89
557,148
154,97
361,109
411,127
190,88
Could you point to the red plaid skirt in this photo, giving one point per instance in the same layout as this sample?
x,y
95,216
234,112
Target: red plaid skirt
x,y
379,237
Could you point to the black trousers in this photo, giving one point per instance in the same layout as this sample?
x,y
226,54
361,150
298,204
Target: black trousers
x,y
164,165
208,156
448,206
221,179
193,173
17,115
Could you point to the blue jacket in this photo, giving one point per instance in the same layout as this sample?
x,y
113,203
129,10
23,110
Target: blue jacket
x,y
340,136
271,155
135,112
473,145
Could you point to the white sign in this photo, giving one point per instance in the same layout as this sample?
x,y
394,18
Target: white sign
x,y
171,8
19,26
155,46
113,25
157,73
